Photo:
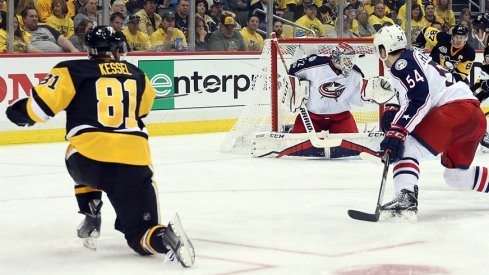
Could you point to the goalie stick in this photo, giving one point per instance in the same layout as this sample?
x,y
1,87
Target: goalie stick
x,y
363,216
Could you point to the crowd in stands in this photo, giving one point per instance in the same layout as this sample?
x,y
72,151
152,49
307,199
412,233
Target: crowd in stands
x,y
220,25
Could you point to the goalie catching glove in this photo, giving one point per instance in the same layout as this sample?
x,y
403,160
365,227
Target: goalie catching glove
x,y
378,89
297,95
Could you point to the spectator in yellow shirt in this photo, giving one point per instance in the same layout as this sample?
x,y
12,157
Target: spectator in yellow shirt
x,y
370,7
310,21
168,38
149,20
253,40
429,15
58,19
401,14
444,12
137,40
416,19
378,19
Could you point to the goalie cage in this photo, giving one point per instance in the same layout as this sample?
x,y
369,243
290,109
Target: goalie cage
x,y
266,113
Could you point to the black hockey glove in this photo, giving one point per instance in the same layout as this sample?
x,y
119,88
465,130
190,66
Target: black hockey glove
x,y
484,94
17,113
394,143
390,111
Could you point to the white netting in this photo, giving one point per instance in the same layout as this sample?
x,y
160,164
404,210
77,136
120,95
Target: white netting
x,y
257,115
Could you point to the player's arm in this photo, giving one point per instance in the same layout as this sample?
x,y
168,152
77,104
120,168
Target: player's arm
x,y
147,98
52,95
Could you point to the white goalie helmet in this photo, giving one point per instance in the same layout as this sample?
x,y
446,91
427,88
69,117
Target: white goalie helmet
x,y
343,57
391,38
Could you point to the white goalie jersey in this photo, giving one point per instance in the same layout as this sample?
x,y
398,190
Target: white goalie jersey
x,y
330,91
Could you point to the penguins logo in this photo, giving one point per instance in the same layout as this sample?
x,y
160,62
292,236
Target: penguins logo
x,y
331,89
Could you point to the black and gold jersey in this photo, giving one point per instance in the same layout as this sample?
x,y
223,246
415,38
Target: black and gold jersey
x,y
104,102
457,60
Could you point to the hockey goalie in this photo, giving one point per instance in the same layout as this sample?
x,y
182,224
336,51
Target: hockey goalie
x,y
322,90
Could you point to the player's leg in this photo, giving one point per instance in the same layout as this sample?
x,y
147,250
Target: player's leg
x,y
341,123
88,197
134,196
405,179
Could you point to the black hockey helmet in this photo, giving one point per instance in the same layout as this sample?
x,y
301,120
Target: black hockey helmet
x,y
460,29
482,22
103,41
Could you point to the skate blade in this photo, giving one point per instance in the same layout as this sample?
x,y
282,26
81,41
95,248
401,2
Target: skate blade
x,y
387,215
185,253
91,242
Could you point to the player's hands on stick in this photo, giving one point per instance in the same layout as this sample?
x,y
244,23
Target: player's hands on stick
x,y
393,143
390,111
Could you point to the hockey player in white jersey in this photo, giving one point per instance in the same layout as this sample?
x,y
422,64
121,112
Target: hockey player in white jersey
x,y
436,116
334,85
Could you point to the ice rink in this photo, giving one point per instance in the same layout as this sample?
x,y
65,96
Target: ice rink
x,y
244,215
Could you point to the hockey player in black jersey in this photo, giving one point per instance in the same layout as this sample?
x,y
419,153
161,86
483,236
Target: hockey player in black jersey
x,y
105,100
450,51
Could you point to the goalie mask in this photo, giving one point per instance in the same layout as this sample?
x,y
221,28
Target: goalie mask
x,y
104,41
342,57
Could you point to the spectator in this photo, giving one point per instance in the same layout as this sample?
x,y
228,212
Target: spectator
x,y
167,37
45,38
416,19
149,20
465,19
356,4
22,40
3,6
444,12
378,19
310,21
216,11
415,32
181,16
118,6
253,40
227,38
278,28
117,21
328,12
201,35
137,40
78,39
350,15
44,9
401,14
262,5
429,15
347,29
20,6
88,11
58,19
201,12
364,27
370,7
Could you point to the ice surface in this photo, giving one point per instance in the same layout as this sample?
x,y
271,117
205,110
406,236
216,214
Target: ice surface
x,y
244,215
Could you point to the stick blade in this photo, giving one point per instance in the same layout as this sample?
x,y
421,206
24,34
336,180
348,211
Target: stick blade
x,y
362,216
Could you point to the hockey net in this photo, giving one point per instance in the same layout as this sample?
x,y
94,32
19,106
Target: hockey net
x,y
266,113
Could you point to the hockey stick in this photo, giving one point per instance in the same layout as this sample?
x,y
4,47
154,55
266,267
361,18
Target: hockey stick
x,y
306,119
358,215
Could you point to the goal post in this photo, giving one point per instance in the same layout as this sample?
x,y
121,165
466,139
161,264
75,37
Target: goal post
x,y
265,111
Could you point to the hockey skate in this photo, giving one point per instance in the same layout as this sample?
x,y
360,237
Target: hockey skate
x,y
485,143
404,207
175,238
89,228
